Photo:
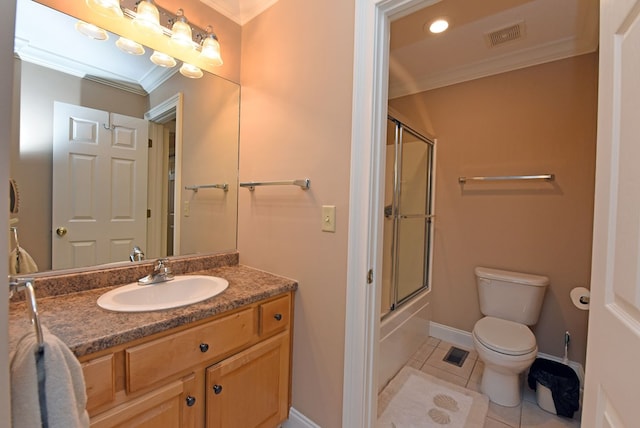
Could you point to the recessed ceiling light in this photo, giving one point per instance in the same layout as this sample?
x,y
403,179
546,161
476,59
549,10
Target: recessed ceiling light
x,y
438,26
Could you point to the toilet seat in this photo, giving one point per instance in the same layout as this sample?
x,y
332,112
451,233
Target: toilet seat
x,y
505,337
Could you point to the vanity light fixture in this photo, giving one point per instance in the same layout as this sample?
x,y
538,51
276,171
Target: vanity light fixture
x,y
190,71
147,17
201,48
181,32
162,59
438,26
129,46
211,49
91,31
110,8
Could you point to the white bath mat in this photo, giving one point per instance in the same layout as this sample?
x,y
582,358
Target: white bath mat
x,y
414,399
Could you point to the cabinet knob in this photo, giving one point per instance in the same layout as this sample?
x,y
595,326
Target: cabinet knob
x,y
204,347
191,400
278,317
217,389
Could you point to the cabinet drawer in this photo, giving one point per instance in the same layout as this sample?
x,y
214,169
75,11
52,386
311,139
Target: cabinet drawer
x,y
99,378
160,358
274,315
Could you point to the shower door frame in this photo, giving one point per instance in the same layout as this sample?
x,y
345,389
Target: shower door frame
x,y
429,217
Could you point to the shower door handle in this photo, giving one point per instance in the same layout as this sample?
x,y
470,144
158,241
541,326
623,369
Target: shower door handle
x,y
428,216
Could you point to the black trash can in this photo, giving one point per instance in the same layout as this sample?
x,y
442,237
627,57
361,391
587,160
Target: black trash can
x,y
563,383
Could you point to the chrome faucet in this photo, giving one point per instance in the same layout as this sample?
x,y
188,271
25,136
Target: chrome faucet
x,y
136,254
161,273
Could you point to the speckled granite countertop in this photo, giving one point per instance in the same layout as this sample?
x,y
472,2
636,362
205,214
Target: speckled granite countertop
x,y
86,328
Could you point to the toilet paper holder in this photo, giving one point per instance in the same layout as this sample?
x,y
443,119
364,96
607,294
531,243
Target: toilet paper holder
x,y
581,297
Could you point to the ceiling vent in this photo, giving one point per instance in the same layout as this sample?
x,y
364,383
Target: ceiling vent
x,y
506,34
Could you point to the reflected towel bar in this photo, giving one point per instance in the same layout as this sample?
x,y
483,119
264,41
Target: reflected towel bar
x,y
304,184
548,177
195,188
26,284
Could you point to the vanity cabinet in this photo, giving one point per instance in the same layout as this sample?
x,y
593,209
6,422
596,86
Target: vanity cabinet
x,y
231,370
245,390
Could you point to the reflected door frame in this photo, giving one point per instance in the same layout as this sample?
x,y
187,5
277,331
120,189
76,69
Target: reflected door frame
x,y
162,113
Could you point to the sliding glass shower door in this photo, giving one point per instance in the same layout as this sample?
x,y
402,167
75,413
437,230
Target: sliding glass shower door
x,y
408,227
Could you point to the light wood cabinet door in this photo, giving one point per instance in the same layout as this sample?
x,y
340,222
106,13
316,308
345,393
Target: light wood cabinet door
x,y
170,406
100,381
250,389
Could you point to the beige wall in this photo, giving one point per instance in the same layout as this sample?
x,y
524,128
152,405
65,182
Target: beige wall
x,y
211,121
537,120
31,155
296,123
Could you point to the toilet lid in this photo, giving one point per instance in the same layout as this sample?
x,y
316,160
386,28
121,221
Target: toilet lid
x,y
505,337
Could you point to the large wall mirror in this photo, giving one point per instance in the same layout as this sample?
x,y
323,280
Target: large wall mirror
x,y
64,95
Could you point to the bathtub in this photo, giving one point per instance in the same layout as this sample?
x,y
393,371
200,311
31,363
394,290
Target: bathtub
x,y
401,335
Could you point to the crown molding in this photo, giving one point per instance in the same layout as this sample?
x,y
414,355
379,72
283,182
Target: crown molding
x,y
42,57
240,11
554,51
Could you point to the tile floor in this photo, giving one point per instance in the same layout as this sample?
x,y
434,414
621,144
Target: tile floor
x,y
429,359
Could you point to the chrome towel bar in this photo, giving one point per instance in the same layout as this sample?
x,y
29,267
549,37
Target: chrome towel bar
x,y
26,284
548,177
304,184
195,187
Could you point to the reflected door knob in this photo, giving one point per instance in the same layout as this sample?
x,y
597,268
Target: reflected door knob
x,y
61,231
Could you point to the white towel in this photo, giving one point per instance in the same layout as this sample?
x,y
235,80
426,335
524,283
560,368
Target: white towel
x,y
66,396
21,262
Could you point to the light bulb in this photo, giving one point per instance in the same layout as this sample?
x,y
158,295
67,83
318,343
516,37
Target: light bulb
x,y
148,17
129,46
110,8
91,31
438,26
190,71
181,32
162,59
211,51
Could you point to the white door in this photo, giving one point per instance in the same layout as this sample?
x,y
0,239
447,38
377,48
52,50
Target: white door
x,y
99,193
613,351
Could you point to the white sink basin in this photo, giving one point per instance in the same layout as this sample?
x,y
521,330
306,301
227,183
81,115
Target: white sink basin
x,y
181,291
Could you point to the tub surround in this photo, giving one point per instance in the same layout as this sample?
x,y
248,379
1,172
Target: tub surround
x,y
67,302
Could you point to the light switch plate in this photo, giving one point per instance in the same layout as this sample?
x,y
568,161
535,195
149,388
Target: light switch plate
x,y
328,218
186,208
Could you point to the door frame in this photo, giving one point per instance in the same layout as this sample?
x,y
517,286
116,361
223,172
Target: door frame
x,y
366,199
161,113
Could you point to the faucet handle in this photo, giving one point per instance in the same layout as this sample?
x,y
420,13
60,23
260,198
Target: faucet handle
x,y
162,266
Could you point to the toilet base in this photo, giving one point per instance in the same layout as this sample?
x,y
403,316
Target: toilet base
x,y
502,389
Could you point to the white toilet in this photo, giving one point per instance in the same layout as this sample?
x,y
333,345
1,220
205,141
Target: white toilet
x,y
510,301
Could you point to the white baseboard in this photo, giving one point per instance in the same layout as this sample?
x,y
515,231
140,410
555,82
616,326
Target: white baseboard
x,y
464,340
452,335
298,420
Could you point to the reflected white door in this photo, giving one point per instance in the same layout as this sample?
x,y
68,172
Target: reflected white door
x,y
99,193
613,352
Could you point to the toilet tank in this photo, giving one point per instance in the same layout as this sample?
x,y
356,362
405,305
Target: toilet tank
x,y
512,296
